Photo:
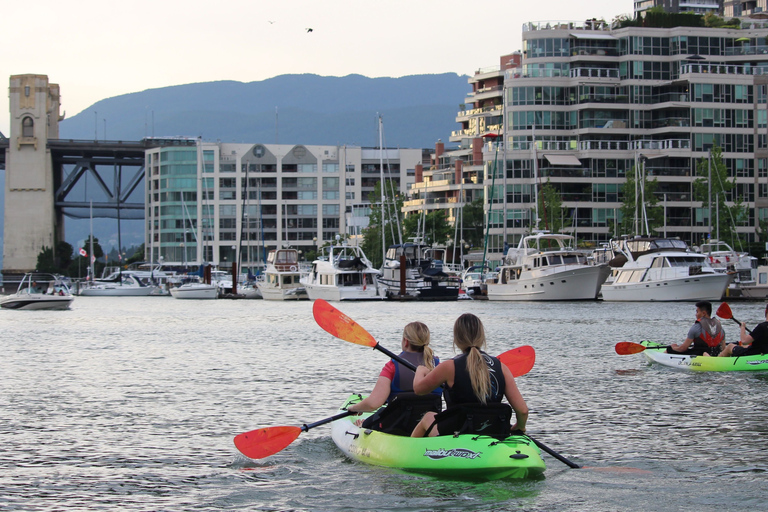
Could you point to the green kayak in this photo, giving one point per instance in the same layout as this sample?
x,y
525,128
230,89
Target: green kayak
x,y
702,363
463,457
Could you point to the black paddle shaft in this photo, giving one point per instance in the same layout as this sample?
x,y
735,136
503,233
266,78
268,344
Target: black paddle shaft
x,y
344,414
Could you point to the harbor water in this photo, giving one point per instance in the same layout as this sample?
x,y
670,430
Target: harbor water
x,y
127,403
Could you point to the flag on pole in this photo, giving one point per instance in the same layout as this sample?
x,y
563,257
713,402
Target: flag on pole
x,y
83,253
93,259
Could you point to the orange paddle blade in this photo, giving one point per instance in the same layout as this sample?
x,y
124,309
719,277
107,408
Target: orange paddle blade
x,y
519,360
264,442
724,311
340,325
624,348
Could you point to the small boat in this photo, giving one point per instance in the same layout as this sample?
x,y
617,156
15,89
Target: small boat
x,y
758,289
39,291
753,363
661,269
282,277
544,267
425,277
342,273
464,456
118,284
195,291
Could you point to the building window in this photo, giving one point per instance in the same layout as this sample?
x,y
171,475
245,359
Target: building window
x,y
27,127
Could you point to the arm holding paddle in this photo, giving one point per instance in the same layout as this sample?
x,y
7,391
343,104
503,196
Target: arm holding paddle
x,y
376,399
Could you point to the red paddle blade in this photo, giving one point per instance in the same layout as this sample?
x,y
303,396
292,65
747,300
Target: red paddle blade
x,y
625,348
519,360
340,325
724,311
264,442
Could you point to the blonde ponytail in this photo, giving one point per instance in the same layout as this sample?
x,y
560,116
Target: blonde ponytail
x,y
469,337
418,337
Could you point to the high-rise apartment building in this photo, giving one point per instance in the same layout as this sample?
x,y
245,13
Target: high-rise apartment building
x,y
207,201
589,102
678,6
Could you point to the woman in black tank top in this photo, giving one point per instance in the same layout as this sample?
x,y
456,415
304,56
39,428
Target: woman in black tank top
x,y
472,376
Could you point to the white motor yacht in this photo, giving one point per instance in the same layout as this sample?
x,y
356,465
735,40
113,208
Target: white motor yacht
x,y
195,291
661,269
545,267
342,273
118,284
39,291
282,277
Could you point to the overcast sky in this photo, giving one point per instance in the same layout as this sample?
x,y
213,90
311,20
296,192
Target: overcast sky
x,y
100,49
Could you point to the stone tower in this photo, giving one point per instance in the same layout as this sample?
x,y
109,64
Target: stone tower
x,y
30,217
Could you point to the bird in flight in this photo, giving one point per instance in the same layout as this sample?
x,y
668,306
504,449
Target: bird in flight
x,y
309,30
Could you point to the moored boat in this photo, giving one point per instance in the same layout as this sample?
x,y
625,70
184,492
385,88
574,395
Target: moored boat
x,y
342,273
464,456
544,267
38,291
282,277
195,291
656,353
661,269
411,271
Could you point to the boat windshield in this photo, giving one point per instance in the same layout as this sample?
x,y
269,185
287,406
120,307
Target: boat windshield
x,y
685,261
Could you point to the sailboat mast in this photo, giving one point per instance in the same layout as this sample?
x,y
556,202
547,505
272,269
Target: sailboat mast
x,y
93,256
381,177
535,183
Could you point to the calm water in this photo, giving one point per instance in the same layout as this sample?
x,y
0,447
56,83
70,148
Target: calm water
x,y
132,403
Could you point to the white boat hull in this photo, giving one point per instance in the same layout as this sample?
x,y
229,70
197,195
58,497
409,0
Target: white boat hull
x,y
29,302
118,291
272,293
342,293
576,284
691,288
195,291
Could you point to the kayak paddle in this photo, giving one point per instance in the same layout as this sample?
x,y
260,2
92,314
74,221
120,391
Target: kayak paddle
x,y
724,311
625,348
267,441
340,325
519,360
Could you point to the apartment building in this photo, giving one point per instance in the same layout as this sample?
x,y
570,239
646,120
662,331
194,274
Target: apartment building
x,y
207,202
589,102
677,6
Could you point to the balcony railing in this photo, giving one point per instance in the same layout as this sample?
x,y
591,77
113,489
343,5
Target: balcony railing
x,y
722,69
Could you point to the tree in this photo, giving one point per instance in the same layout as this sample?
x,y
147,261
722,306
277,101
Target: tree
x,y
632,196
57,262
393,204
473,223
553,211
435,228
722,218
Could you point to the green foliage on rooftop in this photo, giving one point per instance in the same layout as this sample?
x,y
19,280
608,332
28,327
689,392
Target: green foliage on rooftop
x,y
656,17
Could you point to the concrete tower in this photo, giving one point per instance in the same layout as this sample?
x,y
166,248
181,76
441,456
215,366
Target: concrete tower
x,y
30,218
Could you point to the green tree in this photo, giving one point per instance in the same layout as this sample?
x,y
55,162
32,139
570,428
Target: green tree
x,y
80,264
393,204
435,228
57,262
723,218
473,223
646,189
553,213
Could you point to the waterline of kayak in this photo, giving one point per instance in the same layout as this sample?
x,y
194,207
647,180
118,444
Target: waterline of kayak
x,y
132,404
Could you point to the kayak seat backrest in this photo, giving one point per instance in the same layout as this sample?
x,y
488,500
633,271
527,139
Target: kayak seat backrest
x,y
403,413
474,418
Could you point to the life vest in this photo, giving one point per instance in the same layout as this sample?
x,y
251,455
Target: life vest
x,y
711,332
462,392
403,378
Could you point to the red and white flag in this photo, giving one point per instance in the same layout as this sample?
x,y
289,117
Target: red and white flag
x,y
83,253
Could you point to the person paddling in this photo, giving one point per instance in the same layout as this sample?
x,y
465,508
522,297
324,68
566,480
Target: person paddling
x,y
750,344
706,335
395,378
471,378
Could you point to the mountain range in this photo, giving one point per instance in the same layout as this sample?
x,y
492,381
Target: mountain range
x,y
289,109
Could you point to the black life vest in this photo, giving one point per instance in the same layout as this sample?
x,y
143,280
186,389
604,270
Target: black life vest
x,y
462,393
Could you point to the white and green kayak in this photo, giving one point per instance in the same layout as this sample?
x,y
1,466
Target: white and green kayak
x,y
464,456
657,353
